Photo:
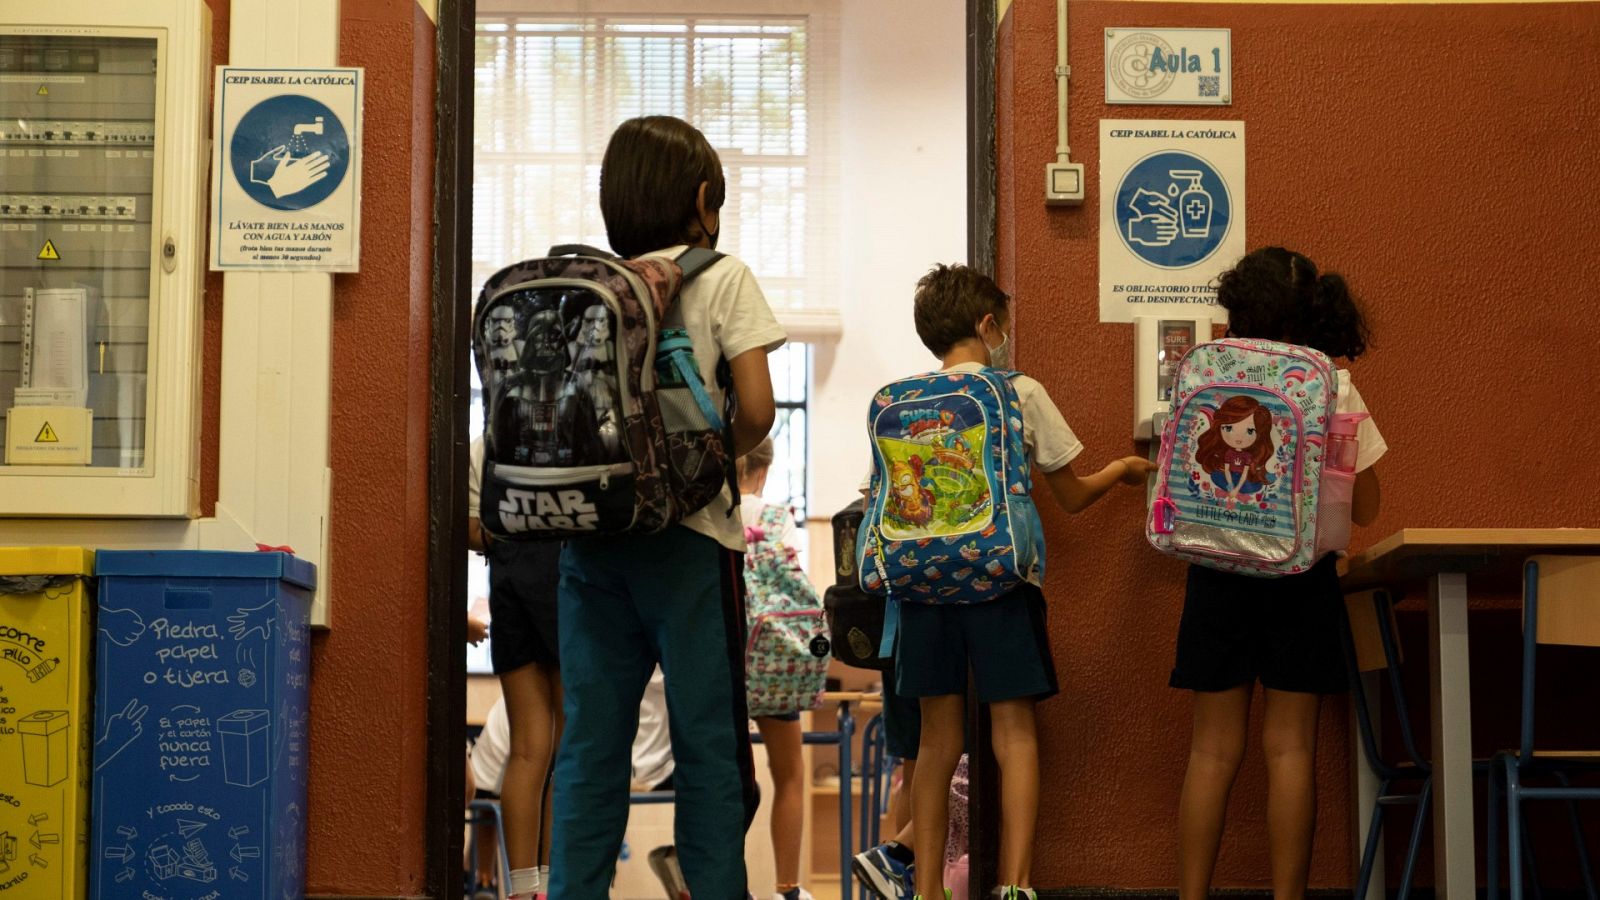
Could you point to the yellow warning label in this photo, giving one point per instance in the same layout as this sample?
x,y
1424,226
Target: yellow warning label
x,y
48,251
44,91
47,435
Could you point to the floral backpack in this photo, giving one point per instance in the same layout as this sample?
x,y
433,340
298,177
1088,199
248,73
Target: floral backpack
x,y
786,658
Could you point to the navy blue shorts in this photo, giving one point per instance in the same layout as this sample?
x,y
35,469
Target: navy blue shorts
x,y
523,579
1004,642
1284,632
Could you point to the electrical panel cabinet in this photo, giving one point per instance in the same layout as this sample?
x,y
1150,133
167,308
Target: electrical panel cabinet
x,y
102,217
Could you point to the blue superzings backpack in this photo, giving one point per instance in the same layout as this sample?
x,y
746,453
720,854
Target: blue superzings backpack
x,y
950,515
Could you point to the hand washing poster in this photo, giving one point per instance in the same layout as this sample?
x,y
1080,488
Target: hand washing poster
x,y
286,172
1171,215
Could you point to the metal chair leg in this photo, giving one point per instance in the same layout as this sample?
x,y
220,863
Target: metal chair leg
x,y
1533,863
1424,806
1492,879
1513,828
1369,853
1579,840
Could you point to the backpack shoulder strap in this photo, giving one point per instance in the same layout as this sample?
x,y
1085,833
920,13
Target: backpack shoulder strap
x,y
579,250
695,260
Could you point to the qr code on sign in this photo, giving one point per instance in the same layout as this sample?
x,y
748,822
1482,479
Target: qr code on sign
x,y
1210,85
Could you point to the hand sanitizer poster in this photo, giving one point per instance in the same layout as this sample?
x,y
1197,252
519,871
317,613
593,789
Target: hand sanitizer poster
x,y
286,178
1171,215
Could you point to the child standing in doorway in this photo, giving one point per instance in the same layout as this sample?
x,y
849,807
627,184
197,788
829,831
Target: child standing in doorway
x,y
962,317
674,598
1284,632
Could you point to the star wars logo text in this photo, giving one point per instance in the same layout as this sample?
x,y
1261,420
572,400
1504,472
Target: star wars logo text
x,y
547,510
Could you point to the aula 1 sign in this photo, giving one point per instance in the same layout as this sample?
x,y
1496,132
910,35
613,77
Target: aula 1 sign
x,y
1181,66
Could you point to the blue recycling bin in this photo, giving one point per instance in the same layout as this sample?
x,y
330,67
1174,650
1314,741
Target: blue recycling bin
x,y
200,725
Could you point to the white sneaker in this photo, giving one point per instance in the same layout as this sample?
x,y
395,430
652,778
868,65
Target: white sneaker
x,y
798,893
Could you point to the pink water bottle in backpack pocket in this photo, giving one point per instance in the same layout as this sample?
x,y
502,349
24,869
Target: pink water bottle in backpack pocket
x,y
1336,492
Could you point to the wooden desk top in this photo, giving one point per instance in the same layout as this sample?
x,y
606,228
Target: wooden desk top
x,y
1413,554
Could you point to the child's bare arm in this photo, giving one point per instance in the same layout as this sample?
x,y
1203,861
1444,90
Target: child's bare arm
x,y
752,382
1077,494
1364,505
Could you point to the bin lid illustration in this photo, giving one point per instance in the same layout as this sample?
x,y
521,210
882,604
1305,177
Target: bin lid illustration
x,y
46,561
244,721
44,722
277,566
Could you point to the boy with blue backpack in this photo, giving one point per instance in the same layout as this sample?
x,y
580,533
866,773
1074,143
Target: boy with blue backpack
x,y
954,542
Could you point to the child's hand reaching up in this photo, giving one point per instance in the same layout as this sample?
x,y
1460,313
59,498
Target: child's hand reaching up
x,y
1139,470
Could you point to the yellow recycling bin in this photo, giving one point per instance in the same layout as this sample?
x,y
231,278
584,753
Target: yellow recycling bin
x,y
45,724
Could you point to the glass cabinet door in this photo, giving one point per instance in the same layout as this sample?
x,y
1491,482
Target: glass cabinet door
x,y
78,256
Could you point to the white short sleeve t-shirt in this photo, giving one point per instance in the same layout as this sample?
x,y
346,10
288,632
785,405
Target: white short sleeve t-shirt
x,y
1049,439
1370,443
475,479
491,749
726,316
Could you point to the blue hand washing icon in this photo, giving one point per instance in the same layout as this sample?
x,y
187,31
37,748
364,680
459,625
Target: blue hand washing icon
x,y
289,152
1172,209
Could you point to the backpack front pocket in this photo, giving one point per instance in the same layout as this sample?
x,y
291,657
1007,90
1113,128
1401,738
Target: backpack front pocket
x,y
527,502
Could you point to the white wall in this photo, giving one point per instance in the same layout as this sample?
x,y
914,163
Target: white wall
x,y
902,207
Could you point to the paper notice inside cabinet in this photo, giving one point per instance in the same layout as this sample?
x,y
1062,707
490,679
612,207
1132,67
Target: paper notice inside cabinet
x,y
56,341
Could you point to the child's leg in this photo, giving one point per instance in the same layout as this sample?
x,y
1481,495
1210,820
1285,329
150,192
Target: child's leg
x,y
1016,748
530,714
690,592
606,660
943,735
1289,740
786,762
547,829
1221,724
900,813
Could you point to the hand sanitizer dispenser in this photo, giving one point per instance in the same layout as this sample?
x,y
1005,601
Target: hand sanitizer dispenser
x,y
1158,343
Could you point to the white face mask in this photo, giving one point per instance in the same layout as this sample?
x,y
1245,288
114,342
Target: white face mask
x,y
999,355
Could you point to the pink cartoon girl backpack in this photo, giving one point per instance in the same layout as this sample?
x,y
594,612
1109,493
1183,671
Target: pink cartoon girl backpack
x,y
1241,484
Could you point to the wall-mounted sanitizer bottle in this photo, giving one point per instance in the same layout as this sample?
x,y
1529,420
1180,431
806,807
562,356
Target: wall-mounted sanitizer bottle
x,y
1160,342
1194,204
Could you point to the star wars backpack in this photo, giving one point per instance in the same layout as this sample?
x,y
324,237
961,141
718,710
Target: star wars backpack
x,y
786,658
596,420
950,515
1241,466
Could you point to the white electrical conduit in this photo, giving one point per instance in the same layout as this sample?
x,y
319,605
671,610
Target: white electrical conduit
x,y
1063,75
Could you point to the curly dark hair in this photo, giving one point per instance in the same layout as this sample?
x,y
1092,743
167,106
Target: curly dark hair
x,y
950,302
1277,294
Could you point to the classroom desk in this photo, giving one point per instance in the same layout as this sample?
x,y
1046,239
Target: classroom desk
x,y
1443,558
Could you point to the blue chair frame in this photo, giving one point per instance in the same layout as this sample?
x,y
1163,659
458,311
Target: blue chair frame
x,y
1413,770
479,812
1514,766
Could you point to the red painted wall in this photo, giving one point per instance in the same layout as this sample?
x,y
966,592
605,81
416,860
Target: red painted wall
x,y
1442,158
368,703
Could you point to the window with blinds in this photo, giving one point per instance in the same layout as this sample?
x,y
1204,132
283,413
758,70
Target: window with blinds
x,y
550,90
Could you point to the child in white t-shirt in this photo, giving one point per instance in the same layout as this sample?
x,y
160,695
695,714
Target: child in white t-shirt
x,y
1284,632
674,598
962,317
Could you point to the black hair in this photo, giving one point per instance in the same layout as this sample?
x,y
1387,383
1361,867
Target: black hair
x,y
1277,294
951,301
650,181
